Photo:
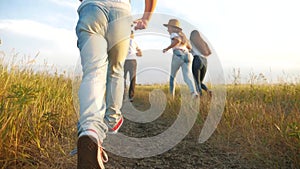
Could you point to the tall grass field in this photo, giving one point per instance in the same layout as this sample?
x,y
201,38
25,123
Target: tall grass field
x,y
260,122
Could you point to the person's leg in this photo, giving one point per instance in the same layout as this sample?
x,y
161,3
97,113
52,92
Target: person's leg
x,y
115,84
202,75
188,76
175,65
132,75
196,73
126,70
203,86
93,52
118,44
92,45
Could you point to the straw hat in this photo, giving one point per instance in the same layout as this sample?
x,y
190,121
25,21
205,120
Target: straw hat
x,y
174,23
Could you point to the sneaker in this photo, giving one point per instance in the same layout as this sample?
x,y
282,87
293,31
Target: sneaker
x,y
131,99
90,154
209,93
195,95
115,129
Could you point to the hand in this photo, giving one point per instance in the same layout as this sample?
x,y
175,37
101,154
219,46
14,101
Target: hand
x,y
139,53
165,50
140,24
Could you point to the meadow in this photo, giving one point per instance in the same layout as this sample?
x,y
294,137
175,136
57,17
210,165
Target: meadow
x,y
260,123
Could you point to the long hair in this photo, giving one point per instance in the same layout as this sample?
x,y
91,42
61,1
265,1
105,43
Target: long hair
x,y
184,39
200,43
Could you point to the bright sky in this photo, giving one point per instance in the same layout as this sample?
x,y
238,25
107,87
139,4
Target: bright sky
x,y
260,36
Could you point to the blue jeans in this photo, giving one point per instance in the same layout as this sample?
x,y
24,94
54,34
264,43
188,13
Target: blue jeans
x,y
186,68
183,55
199,68
103,31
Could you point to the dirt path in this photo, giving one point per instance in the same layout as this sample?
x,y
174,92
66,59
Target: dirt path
x,y
187,154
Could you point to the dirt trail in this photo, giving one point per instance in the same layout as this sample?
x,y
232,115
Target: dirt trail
x,y
188,154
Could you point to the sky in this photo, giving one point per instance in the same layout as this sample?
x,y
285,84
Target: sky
x,y
253,36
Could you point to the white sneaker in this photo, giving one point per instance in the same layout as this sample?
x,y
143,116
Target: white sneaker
x,y
114,129
195,96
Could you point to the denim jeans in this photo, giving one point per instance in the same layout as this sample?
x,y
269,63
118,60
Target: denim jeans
x,y
183,55
186,68
199,68
103,31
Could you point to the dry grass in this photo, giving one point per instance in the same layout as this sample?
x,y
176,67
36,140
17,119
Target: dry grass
x,y
261,123
37,119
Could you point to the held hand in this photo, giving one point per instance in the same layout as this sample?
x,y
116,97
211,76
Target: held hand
x,y
140,24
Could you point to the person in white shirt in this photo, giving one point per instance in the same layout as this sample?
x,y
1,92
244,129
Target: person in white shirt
x,y
181,57
130,66
103,31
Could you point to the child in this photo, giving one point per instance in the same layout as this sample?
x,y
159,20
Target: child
x,y
130,66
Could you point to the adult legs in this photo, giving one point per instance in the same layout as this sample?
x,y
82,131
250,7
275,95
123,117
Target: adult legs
x,y
196,73
115,82
188,76
175,65
93,52
100,79
203,86
118,37
202,75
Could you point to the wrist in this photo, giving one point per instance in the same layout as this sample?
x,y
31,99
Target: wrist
x,y
146,17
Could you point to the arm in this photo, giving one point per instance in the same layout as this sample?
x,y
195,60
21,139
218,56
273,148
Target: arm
x,y
142,23
189,46
175,42
136,47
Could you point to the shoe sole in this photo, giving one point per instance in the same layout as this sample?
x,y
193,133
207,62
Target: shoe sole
x,y
87,154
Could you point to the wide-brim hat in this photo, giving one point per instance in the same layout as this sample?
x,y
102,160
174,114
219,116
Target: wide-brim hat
x,y
174,23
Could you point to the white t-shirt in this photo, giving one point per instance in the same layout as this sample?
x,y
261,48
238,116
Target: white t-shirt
x,y
195,51
179,46
132,50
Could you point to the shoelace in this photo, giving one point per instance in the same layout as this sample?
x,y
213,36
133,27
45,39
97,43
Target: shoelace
x,y
102,155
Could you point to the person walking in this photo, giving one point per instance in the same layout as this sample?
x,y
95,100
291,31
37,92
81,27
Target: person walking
x,y
181,57
103,30
200,51
130,66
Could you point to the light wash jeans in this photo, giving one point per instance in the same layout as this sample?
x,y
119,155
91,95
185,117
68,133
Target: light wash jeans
x,y
103,31
186,67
